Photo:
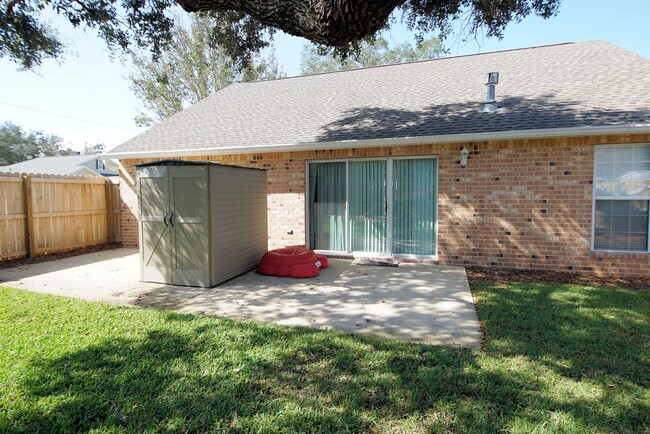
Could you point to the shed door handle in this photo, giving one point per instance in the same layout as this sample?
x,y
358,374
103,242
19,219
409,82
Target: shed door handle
x,y
171,218
165,219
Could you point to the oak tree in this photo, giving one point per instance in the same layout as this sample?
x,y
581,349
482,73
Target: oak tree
x,y
245,26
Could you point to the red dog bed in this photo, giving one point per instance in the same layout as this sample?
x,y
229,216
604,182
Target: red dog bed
x,y
293,262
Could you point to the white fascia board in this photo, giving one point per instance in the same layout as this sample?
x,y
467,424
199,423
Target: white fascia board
x,y
418,140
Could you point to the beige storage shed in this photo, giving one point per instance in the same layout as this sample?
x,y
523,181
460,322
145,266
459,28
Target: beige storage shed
x,y
201,223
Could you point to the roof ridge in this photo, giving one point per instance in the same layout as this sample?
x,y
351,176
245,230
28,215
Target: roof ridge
x,y
316,74
544,88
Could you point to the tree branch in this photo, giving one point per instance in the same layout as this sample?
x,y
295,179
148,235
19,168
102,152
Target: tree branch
x,y
328,22
11,5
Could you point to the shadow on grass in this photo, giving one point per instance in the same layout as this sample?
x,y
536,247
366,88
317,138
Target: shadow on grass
x,y
581,331
594,336
209,374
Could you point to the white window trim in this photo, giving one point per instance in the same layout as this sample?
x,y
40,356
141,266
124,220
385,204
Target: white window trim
x,y
389,196
626,198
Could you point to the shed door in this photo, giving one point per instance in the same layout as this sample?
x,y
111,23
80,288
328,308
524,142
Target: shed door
x,y
155,234
190,231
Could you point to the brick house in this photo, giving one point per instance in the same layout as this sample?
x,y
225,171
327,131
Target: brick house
x,y
411,161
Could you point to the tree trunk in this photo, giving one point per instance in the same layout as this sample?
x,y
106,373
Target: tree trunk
x,y
329,22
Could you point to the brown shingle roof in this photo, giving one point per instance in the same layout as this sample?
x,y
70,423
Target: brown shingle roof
x,y
569,85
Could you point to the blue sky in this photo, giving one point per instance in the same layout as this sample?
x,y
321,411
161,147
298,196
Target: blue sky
x,y
87,98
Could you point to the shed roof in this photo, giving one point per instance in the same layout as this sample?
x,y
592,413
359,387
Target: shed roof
x,y
163,163
574,85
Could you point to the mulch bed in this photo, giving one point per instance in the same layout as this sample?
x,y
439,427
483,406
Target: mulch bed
x,y
60,255
494,276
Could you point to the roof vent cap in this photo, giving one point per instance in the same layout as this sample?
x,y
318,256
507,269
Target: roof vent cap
x,y
491,80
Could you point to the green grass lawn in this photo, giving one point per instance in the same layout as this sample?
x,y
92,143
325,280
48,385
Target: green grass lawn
x,y
559,358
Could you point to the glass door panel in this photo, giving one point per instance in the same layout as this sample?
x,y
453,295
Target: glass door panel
x,y
327,206
414,206
368,206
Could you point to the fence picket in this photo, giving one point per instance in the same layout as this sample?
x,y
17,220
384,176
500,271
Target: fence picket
x,y
42,214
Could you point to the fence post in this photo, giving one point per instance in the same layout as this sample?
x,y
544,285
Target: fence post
x,y
29,216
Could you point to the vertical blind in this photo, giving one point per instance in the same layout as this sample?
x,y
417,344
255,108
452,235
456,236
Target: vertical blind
x,y
327,206
414,206
368,206
363,193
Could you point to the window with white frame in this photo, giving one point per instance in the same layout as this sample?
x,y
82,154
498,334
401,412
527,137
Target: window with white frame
x,y
621,198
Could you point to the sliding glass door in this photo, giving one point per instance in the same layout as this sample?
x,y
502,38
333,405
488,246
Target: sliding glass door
x,y
414,206
327,206
367,201
382,206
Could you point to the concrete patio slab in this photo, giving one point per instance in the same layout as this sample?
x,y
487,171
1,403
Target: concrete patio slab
x,y
419,303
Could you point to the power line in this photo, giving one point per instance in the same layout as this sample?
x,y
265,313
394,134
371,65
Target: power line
x,y
101,68
68,116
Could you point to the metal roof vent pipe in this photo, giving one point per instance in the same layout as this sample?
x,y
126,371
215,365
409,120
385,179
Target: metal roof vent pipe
x,y
491,80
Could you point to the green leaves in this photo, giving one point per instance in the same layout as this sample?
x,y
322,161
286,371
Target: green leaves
x,y
193,67
243,28
17,145
492,17
374,52
25,39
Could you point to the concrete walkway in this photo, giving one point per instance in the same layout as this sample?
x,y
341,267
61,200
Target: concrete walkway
x,y
420,303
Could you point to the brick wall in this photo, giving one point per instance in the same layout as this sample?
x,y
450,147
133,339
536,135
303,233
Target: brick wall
x,y
128,205
518,203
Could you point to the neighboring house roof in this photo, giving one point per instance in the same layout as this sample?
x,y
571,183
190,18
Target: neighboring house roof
x,y
65,165
585,86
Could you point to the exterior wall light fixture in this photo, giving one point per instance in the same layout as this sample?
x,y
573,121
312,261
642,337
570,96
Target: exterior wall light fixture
x,y
463,157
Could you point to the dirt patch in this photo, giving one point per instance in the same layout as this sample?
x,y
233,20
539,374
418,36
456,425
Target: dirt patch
x,y
492,276
59,255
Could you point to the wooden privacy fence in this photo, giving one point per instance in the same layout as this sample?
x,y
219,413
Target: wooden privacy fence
x,y
42,214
